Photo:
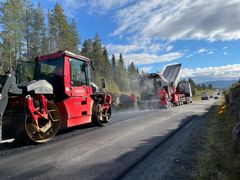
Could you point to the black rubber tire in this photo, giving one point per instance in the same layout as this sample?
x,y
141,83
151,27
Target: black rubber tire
x,y
98,119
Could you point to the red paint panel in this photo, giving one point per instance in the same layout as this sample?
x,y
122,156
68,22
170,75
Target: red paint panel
x,y
78,112
79,104
79,120
163,97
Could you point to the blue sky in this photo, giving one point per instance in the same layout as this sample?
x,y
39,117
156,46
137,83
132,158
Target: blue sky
x,y
202,35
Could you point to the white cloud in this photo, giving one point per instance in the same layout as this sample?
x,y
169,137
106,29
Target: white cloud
x,y
145,58
203,50
169,48
144,52
209,73
184,19
190,55
73,4
225,53
224,48
139,46
108,4
71,7
117,49
145,69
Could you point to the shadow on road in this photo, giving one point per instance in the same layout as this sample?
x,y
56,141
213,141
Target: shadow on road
x,y
118,168
77,130
62,134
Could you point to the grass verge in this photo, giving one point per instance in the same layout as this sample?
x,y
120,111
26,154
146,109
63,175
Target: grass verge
x,y
217,159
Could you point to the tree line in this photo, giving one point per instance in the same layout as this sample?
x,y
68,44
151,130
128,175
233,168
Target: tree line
x,y
26,32
199,87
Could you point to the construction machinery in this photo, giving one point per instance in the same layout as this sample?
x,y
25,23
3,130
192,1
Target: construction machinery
x,y
164,90
59,95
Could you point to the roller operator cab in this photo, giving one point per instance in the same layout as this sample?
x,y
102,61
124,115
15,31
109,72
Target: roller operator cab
x,y
60,96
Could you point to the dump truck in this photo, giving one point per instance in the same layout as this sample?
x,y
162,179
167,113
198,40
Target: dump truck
x,y
164,90
60,95
184,87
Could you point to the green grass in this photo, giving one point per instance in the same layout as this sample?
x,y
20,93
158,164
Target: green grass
x,y
218,160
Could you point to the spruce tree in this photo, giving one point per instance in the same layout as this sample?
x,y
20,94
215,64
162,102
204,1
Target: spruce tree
x,y
74,42
87,48
106,70
133,77
123,80
204,86
114,67
97,53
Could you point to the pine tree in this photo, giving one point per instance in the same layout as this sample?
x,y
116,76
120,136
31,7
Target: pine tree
x,y
106,70
12,35
210,86
24,33
204,86
41,28
28,27
114,67
97,54
74,37
87,48
133,77
123,80
63,28
38,40
52,33
192,83
60,34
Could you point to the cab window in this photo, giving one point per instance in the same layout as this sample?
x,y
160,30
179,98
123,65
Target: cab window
x,y
78,72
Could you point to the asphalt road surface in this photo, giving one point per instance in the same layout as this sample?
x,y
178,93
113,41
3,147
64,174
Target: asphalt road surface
x,y
122,150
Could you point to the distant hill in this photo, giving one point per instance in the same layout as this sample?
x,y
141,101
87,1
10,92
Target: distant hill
x,y
221,84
